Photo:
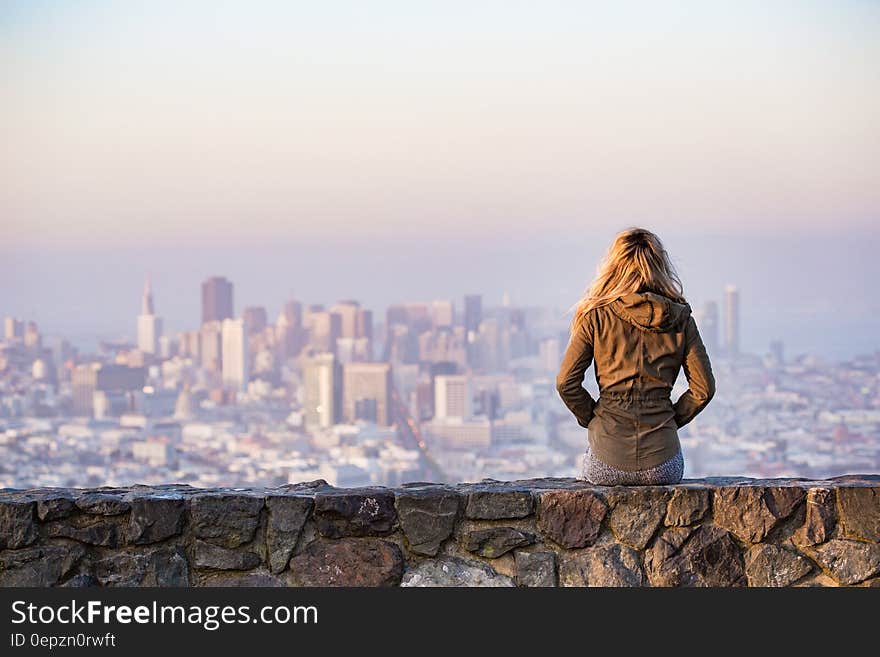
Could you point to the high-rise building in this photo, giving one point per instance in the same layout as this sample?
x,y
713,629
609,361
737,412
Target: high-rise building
x,y
235,361
549,354
216,299
707,323
348,314
452,396
323,328
473,312
321,390
211,346
731,320
442,313
289,333
149,326
117,380
255,319
366,392
32,337
13,329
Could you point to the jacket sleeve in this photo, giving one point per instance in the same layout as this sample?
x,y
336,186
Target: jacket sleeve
x,y
575,362
698,371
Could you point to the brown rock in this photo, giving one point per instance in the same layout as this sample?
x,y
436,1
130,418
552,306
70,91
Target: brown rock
x,y
348,562
571,518
17,527
55,507
496,503
636,513
859,513
495,541
819,518
42,565
535,569
687,506
610,565
751,512
701,556
773,566
92,530
102,504
849,562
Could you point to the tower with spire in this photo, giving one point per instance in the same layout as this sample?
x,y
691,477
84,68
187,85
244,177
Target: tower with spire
x,y
149,326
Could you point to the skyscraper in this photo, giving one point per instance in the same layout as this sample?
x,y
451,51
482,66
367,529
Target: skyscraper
x,y
366,392
731,320
707,323
216,299
149,327
321,390
211,346
442,313
452,397
473,315
255,319
235,361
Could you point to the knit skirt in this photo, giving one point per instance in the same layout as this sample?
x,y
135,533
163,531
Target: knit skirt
x,y
600,473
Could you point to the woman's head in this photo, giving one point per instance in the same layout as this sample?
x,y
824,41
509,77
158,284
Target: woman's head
x,y
635,262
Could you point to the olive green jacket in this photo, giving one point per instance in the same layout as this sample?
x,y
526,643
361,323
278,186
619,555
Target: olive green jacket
x,y
638,344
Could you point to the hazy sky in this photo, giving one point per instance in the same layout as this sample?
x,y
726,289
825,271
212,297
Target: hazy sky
x,y
184,139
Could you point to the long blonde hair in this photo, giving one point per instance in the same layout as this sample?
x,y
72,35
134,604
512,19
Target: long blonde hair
x,y
635,262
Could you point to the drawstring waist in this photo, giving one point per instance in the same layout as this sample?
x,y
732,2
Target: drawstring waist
x,y
629,395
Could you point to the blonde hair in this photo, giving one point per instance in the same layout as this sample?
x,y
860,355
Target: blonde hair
x,y
635,262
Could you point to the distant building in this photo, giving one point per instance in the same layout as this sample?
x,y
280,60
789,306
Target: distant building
x,y
255,319
707,324
731,319
777,351
235,358
324,328
149,326
452,397
366,392
114,380
320,390
13,329
216,300
211,346
442,313
549,354
473,315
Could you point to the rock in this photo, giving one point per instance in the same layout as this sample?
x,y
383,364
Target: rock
x,y
535,569
496,503
287,516
17,527
859,513
495,541
348,562
700,556
225,519
428,517
247,580
206,555
92,530
571,518
158,567
454,572
41,565
636,513
154,519
687,506
102,504
752,512
819,518
771,565
849,562
608,565
80,581
54,508
355,513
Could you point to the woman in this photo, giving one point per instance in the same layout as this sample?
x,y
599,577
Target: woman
x,y
635,325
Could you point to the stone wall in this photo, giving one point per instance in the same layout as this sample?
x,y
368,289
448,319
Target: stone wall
x,y
543,532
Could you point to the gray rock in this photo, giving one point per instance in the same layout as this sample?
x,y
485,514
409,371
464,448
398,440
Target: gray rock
x,y
859,513
91,530
102,504
636,514
17,527
571,518
701,556
207,555
247,580
608,565
348,562
687,506
495,541
154,519
428,517
225,519
56,507
355,513
166,567
752,512
454,572
497,503
535,569
41,565
773,566
287,516
819,518
849,562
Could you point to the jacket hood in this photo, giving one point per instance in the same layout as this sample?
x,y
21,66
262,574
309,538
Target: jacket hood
x,y
651,312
